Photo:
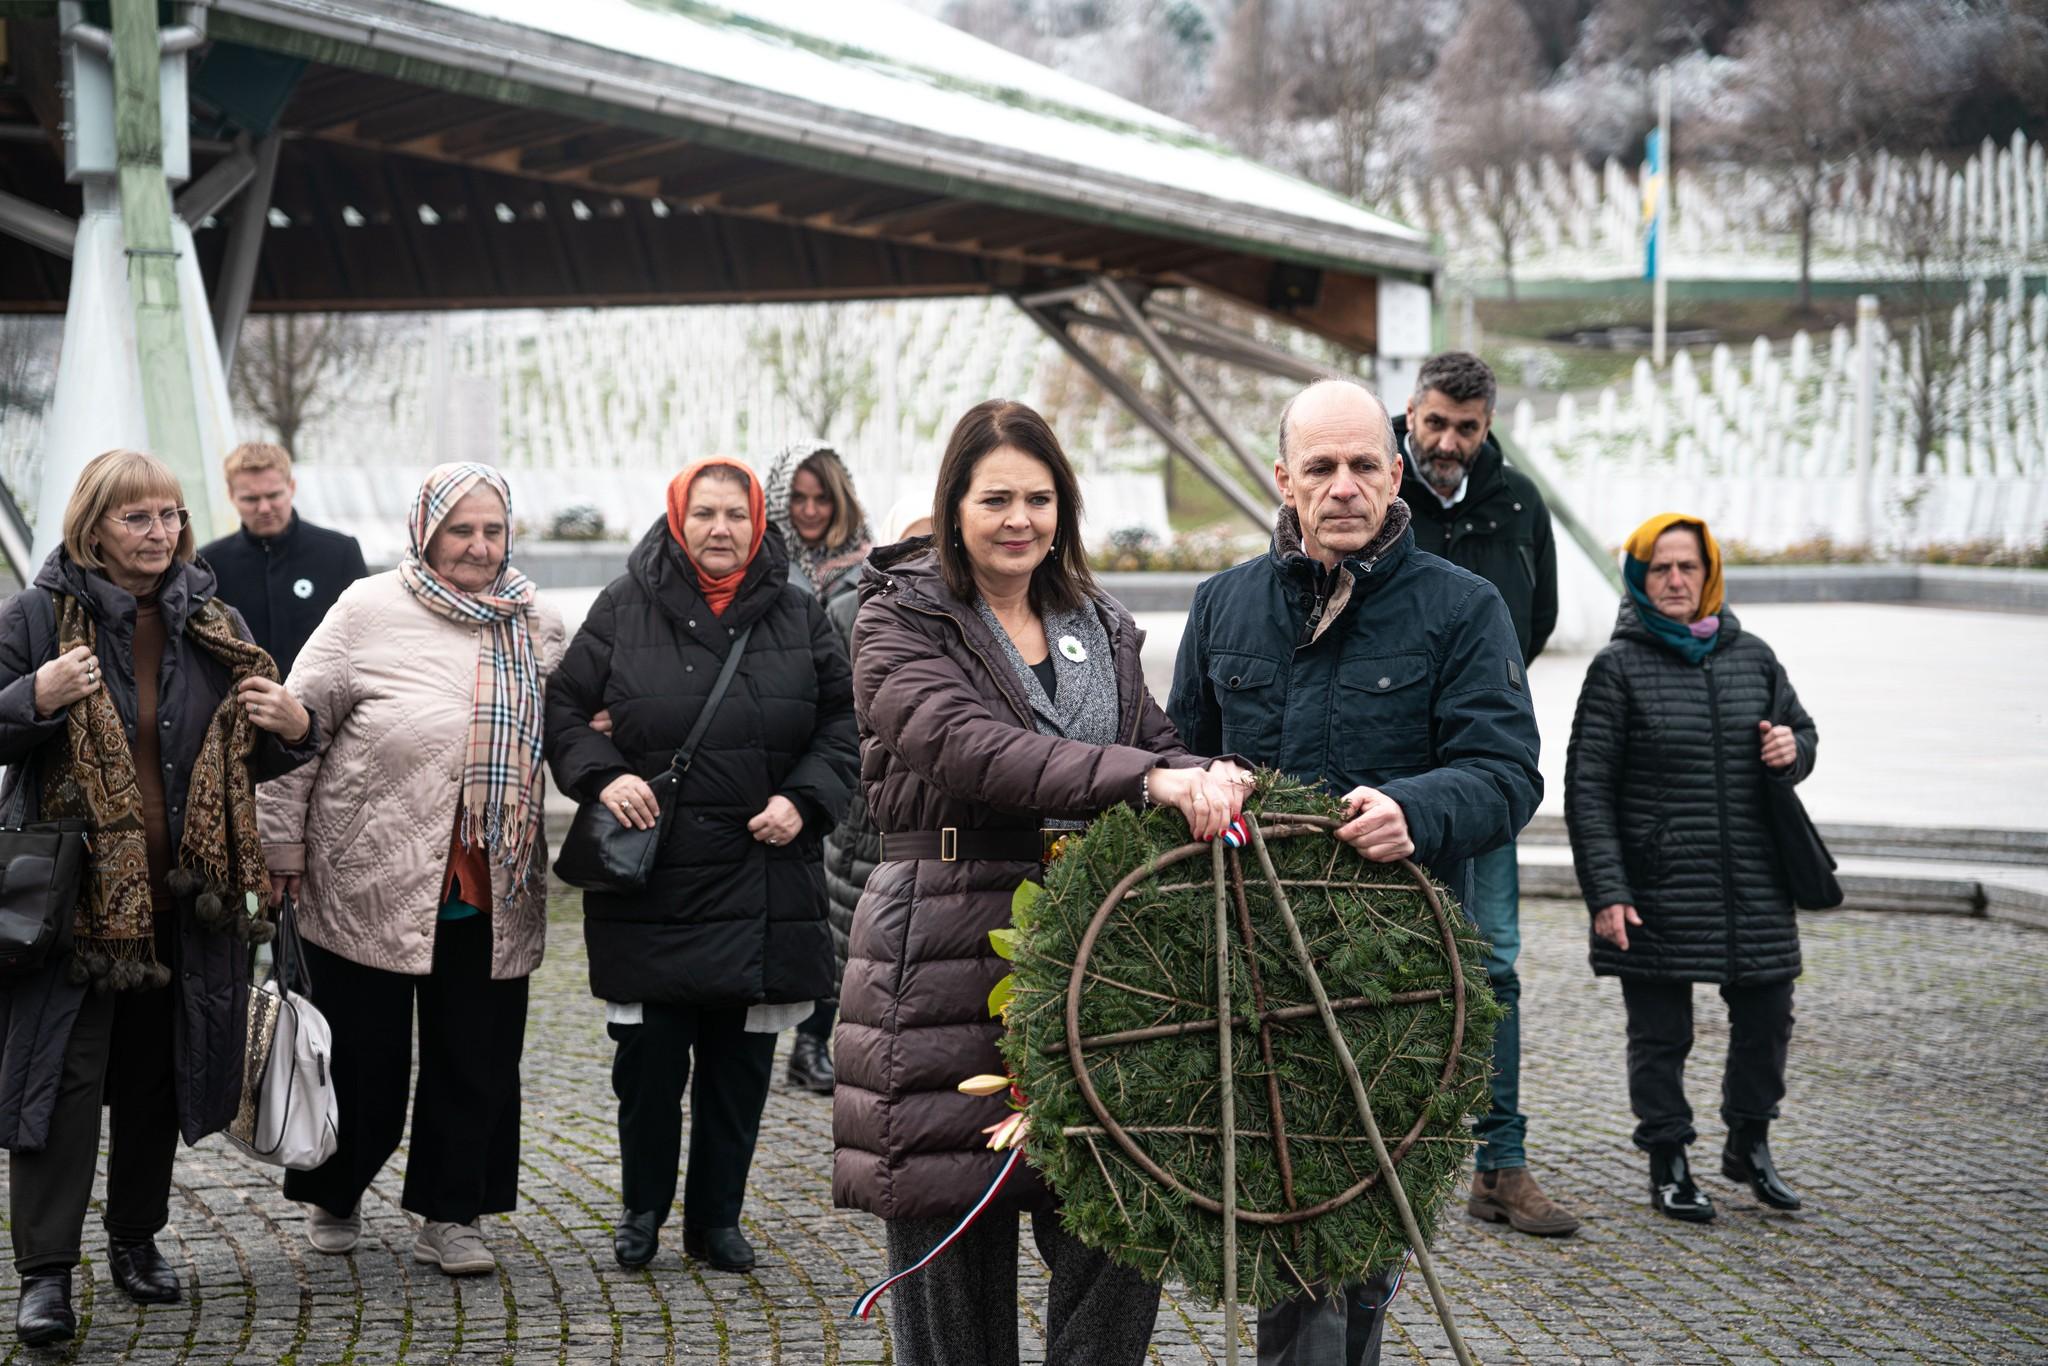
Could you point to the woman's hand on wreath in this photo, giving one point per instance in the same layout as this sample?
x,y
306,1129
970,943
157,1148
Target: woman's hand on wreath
x,y
274,709
778,823
1207,801
632,801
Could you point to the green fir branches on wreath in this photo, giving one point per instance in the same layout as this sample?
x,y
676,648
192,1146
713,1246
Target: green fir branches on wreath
x,y
1379,949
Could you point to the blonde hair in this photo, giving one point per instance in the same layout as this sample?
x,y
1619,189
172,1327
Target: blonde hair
x,y
830,470
254,457
107,481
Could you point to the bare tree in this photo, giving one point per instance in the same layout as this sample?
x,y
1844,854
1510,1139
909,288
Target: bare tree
x,y
1351,62
291,368
1825,82
1247,82
823,369
1921,235
1492,120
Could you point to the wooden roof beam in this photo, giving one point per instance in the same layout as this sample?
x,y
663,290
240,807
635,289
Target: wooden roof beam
x,y
581,150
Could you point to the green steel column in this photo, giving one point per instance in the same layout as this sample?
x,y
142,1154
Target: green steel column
x,y
167,393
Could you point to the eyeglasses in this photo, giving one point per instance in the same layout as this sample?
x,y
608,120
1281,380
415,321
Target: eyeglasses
x,y
139,523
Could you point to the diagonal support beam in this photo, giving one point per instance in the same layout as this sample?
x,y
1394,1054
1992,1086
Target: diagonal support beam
x,y
245,246
36,225
212,191
1251,351
1170,363
1259,514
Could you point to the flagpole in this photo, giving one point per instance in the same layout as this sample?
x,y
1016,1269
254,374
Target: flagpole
x,y
1660,307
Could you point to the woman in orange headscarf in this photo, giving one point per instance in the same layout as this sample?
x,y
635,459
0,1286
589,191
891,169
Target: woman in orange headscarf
x,y
727,943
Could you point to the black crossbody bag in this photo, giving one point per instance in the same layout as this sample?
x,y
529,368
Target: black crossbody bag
x,y
1809,867
601,853
42,871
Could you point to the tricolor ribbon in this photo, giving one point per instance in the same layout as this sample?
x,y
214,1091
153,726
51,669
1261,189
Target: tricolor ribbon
x,y
1235,835
866,1304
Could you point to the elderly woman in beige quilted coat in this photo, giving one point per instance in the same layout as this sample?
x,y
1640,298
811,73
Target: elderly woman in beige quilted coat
x,y
413,846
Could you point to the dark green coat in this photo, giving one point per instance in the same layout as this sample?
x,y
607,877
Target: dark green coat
x,y
1416,688
1500,530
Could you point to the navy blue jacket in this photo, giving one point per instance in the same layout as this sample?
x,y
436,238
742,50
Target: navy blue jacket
x,y
1415,688
284,585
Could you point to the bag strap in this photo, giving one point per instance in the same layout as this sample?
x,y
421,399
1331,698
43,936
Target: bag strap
x,y
680,764
288,951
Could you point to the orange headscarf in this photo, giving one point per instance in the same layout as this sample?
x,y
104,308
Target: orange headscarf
x,y
718,591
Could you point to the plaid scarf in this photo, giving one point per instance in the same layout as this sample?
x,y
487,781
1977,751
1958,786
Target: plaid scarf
x,y
220,856
501,781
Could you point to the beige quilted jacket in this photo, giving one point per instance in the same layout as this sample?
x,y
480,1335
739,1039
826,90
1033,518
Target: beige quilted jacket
x,y
368,823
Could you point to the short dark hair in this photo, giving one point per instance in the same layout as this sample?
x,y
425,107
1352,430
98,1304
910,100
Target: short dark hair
x,y
1061,582
1459,376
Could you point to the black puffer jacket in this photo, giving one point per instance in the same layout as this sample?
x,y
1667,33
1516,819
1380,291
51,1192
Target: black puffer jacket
x,y
1664,798
726,920
853,848
212,984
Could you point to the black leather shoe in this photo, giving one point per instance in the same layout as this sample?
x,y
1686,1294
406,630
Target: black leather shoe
x,y
637,1238
142,1273
1672,1192
727,1249
1748,1158
810,1065
44,1314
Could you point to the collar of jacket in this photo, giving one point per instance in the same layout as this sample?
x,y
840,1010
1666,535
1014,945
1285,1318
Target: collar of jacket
x,y
1488,479
1629,626
909,572
658,565
186,588
277,542
1332,591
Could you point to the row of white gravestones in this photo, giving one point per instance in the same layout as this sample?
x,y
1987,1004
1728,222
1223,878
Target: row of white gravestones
x,y
1793,416
1995,199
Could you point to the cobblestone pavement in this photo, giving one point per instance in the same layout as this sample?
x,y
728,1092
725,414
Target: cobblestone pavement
x,y
1914,1129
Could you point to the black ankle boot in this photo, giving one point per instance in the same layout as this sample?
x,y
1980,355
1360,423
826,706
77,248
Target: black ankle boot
x,y
636,1239
1672,1192
725,1248
810,1065
142,1273
44,1314
1748,1158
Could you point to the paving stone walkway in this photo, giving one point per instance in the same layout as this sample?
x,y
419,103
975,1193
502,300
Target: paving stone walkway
x,y
1914,1129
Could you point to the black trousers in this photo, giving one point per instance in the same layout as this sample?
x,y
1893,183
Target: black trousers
x,y
962,1309
818,1024
1660,1038
120,1051
464,1157
1340,1327
651,1070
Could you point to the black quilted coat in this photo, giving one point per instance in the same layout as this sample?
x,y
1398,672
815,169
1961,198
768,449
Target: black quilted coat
x,y
1664,798
725,920
853,848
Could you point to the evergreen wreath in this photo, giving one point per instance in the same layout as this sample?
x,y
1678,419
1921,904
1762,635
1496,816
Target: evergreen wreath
x,y
1403,981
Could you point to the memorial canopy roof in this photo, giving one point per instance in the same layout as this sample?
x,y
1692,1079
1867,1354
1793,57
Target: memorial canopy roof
x,y
501,153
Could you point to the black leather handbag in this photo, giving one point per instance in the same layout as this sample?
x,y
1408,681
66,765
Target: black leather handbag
x,y
42,869
601,853
1808,866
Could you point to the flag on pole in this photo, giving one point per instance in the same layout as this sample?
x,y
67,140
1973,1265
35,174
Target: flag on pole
x,y
1653,200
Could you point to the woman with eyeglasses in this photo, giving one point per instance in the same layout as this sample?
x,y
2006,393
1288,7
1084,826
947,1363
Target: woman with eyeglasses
x,y
131,700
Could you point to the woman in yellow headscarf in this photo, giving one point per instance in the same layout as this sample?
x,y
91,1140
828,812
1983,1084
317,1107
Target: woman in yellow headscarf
x,y
1683,720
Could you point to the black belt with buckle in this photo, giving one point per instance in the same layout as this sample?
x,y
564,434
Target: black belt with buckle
x,y
953,844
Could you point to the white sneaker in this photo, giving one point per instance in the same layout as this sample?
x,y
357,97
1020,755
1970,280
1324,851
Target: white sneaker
x,y
458,1249
334,1234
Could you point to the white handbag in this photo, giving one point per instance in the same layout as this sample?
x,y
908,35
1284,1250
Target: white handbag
x,y
288,1116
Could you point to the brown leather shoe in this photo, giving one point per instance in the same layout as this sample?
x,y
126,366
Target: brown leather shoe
x,y
1511,1196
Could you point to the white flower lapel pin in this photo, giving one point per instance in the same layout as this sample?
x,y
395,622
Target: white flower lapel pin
x,y
1073,649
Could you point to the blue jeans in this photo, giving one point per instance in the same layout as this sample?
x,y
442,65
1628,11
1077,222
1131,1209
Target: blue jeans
x,y
1495,908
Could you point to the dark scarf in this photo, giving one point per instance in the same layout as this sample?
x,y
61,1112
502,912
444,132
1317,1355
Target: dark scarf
x,y
221,855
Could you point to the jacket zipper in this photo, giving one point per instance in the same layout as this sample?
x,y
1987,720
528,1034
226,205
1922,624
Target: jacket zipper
x,y
1721,808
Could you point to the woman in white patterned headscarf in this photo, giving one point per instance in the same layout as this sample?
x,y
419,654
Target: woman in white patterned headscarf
x,y
414,843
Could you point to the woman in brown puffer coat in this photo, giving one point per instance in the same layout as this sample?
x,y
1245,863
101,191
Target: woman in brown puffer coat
x,y
999,693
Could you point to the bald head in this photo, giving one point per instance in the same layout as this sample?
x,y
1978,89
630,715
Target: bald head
x,y
1342,397
1338,468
